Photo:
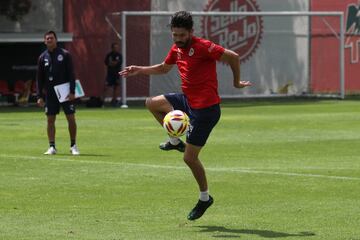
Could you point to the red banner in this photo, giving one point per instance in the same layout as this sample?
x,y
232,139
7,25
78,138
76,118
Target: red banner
x,y
325,67
93,37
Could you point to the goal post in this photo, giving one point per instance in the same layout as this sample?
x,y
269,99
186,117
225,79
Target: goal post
x,y
280,52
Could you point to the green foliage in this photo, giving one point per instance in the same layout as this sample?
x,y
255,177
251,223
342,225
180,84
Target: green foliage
x,y
288,170
15,9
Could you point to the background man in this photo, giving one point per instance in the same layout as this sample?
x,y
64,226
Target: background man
x,y
55,67
113,61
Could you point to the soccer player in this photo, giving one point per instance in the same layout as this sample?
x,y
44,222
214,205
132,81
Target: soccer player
x,y
196,61
55,67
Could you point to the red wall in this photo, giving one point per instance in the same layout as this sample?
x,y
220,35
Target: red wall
x,y
93,37
324,55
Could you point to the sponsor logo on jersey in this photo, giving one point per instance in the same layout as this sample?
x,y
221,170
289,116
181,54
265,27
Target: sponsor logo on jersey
x,y
178,54
211,47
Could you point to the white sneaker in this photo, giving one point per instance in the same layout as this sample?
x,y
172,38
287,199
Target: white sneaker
x,y
50,151
74,150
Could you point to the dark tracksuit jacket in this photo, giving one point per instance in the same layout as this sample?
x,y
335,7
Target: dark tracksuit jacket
x,y
54,68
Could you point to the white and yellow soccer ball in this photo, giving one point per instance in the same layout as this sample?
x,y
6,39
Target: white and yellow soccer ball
x,y
176,123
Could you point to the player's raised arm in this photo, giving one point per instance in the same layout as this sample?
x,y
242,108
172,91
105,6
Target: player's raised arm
x,y
133,70
232,58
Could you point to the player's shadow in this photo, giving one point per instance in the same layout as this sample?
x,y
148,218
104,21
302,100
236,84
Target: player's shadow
x,y
223,232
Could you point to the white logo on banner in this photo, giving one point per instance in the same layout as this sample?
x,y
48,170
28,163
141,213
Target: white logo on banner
x,y
353,31
239,33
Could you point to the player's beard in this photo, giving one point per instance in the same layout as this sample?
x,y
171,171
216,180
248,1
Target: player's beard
x,y
183,44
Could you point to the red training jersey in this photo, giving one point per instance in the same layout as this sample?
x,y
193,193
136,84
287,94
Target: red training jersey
x,y
197,68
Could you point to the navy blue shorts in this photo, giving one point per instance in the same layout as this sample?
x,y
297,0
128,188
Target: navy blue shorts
x,y
112,80
202,121
52,106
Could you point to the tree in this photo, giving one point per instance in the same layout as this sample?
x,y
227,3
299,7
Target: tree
x,y
14,10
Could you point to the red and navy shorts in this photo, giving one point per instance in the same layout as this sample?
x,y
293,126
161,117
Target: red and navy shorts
x,y
202,121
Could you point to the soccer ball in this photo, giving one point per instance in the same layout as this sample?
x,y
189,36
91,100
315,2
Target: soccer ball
x,y
176,123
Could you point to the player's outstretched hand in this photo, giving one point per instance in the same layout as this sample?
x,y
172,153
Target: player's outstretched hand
x,y
130,71
242,84
40,102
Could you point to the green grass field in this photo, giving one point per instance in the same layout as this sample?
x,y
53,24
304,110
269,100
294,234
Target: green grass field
x,y
277,170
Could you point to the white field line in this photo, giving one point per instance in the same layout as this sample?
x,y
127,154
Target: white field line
x,y
155,166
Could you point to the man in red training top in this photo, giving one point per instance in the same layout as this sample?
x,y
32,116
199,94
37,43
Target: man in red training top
x,y
196,61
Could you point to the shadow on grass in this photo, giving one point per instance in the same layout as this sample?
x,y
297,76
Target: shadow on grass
x,y
223,232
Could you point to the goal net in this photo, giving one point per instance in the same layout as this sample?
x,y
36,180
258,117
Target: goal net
x,y
281,53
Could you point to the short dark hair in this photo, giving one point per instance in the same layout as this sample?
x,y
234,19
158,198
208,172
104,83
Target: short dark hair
x,y
114,44
50,32
182,19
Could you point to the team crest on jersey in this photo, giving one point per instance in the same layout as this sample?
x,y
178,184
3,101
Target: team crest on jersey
x,y
191,52
60,57
242,34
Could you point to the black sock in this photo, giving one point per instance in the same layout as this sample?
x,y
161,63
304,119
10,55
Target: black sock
x,y
73,142
52,144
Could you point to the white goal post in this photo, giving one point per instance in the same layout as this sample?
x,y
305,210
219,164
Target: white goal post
x,y
338,33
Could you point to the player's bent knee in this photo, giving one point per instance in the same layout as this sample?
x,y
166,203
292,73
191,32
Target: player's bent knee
x,y
148,102
158,103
